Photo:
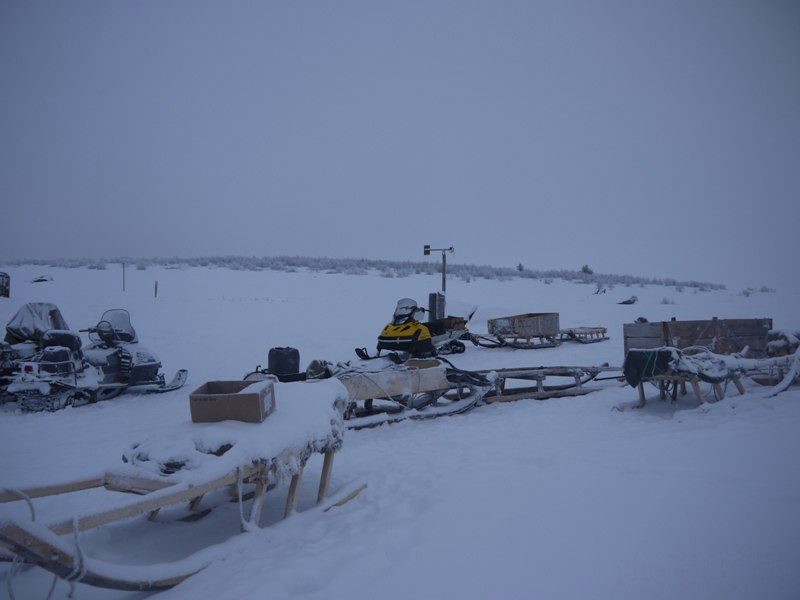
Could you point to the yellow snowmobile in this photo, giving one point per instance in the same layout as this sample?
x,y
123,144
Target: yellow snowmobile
x,y
407,334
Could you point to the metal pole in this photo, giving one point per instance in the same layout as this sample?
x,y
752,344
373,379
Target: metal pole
x,y
444,272
123,277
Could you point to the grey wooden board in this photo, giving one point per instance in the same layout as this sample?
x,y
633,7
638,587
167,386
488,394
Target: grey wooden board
x,y
724,336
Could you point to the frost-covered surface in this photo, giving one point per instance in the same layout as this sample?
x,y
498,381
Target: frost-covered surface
x,y
713,367
568,498
307,418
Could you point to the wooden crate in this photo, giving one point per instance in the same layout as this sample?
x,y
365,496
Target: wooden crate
x,y
722,336
527,325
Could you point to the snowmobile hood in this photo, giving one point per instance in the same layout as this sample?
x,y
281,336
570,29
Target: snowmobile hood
x,y
32,320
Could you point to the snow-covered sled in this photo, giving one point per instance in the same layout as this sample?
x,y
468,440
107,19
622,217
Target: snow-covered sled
x,y
192,467
431,388
670,369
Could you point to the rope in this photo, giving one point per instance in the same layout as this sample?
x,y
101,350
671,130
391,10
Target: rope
x,y
239,495
52,587
79,569
22,496
10,578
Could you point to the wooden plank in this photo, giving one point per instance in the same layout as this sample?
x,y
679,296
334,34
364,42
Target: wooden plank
x,y
539,372
347,498
534,395
146,505
697,391
291,498
51,490
325,477
642,343
724,327
643,330
117,482
258,500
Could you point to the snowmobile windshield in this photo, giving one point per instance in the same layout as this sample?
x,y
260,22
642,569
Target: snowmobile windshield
x,y
32,320
120,320
405,311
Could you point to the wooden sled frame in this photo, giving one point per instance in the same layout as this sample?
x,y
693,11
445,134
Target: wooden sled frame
x,y
584,335
679,381
580,376
42,546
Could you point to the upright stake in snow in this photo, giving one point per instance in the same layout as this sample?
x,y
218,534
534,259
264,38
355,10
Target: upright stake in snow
x,y
123,277
155,294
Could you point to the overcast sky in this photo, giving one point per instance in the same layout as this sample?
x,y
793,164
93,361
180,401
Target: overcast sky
x,y
650,138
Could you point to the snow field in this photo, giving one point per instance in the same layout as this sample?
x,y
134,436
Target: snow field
x,y
564,498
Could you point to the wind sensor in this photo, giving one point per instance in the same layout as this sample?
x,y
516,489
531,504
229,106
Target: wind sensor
x,y
426,250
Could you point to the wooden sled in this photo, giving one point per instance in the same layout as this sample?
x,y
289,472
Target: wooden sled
x,y
673,378
584,335
260,455
42,545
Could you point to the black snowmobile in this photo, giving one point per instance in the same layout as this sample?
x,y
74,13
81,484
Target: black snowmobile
x,y
62,373
23,338
420,340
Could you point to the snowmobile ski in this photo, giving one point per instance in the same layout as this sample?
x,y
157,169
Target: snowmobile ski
x,y
456,407
176,383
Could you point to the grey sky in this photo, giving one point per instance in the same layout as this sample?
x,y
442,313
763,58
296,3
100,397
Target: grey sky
x,y
653,138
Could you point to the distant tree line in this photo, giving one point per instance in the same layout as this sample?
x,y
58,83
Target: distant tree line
x,y
386,268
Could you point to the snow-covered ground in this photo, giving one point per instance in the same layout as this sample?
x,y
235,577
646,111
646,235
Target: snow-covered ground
x,y
565,498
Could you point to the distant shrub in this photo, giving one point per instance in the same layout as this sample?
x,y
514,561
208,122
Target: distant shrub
x,y
362,266
667,301
766,290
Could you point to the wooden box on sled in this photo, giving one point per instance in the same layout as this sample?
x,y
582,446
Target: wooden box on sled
x,y
249,401
527,325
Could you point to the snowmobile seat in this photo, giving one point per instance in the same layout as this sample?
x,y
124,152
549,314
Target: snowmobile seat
x,y
61,337
58,360
436,327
